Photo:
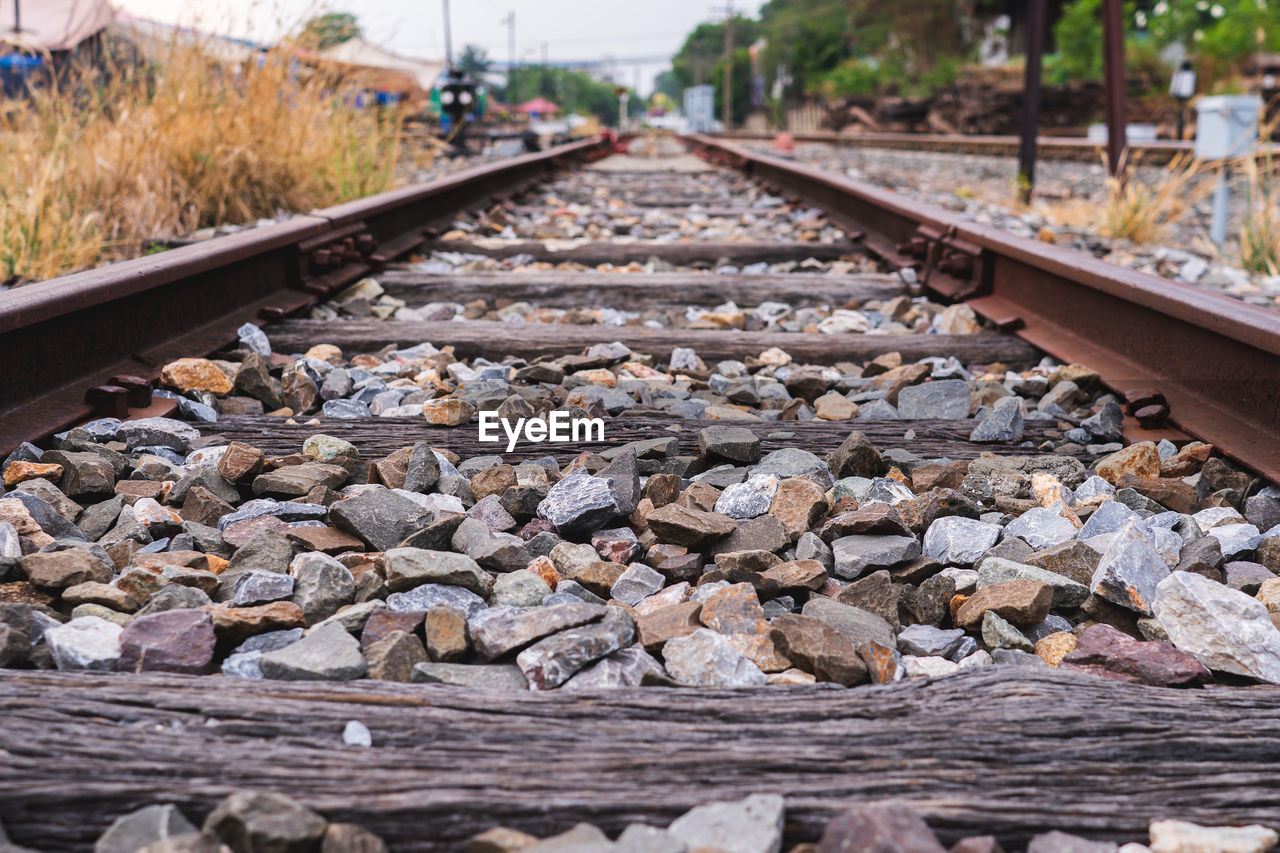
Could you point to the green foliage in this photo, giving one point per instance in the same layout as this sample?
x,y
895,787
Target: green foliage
x,y
328,30
741,83
572,91
474,60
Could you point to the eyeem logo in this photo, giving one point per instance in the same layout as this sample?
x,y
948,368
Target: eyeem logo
x,y
558,428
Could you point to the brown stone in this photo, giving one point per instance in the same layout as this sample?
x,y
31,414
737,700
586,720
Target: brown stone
x,y
493,481
1072,559
104,594
688,526
666,623
894,380
661,489
179,641
1053,648
925,478
391,469
1139,459
29,531
240,532
701,496
446,630
61,569
876,593
383,622
20,472
798,504
856,457
447,412
22,592
204,507
874,518
598,577
83,473
393,657
294,481
195,374
328,540
816,647
1021,602
351,838
883,663
1103,650
882,828
797,574
1189,459
233,624
499,839
1171,494
240,461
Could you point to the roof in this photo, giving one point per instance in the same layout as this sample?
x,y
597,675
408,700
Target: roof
x,y
54,25
155,40
538,105
359,52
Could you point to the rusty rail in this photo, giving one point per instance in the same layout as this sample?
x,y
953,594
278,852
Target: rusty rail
x,y
88,343
1215,361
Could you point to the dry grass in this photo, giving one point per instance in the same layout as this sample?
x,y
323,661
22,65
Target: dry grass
x,y
1260,229
89,172
1141,212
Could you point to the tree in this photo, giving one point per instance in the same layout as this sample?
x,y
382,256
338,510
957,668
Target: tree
x,y
328,30
474,61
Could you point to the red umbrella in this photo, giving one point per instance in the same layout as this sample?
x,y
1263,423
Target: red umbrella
x,y
541,106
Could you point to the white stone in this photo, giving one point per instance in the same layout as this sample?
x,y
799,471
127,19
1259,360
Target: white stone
x,y
706,659
750,825
86,643
1224,629
357,733
1179,836
929,667
957,541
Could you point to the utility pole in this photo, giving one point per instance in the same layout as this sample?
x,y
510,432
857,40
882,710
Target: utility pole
x,y
1031,100
1113,71
512,84
17,16
546,83
448,38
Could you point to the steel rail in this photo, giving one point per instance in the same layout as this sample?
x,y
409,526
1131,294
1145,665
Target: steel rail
x,y
1156,153
1215,360
90,343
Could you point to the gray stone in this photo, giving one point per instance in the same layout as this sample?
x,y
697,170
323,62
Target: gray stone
x,y
499,630
928,641
957,541
881,828
499,552
145,826
749,498
1041,527
407,568
735,444
1223,628
998,633
636,583
705,658
423,597
579,505
856,555
423,469
750,825
550,662
623,475
1109,517
252,821
327,653
490,677
794,462
639,838
1061,842
321,586
859,626
521,588
811,547
1130,569
380,517
1236,539
1067,593
257,587
947,399
1003,423
158,432
624,668
856,457
1105,425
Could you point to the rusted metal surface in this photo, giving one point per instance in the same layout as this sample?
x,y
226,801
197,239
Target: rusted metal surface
x,y
1215,360
73,335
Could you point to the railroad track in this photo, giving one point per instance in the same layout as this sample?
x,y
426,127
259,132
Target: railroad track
x,y
1156,153
733,321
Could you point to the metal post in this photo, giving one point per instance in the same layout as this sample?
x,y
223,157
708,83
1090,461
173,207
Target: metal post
x,y
1113,69
728,69
1031,100
1221,200
448,38
512,85
17,16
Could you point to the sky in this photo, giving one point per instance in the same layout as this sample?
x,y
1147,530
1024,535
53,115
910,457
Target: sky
x,y
641,35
